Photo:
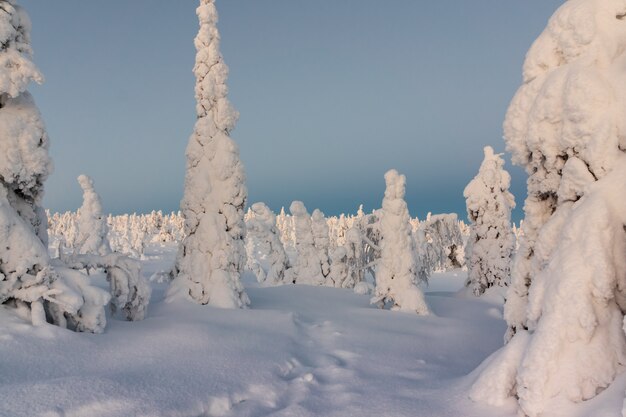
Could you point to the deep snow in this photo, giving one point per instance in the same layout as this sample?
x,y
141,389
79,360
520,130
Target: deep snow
x,y
298,351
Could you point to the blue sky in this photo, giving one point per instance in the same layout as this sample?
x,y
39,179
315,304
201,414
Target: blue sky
x,y
332,94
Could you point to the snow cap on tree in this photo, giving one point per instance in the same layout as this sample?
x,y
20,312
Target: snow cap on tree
x,y
16,56
212,255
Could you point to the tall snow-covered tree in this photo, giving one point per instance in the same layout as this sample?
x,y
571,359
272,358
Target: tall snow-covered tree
x,y
212,255
489,204
307,268
92,225
28,281
397,268
567,297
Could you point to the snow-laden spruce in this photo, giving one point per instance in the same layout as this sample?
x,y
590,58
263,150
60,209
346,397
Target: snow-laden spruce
x,y
397,268
355,259
264,235
92,225
28,281
308,267
321,241
212,255
567,297
489,204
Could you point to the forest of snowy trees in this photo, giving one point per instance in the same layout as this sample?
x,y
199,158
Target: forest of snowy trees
x,y
562,274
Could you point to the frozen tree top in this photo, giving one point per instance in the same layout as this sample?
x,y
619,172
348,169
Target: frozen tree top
x,y
15,51
211,71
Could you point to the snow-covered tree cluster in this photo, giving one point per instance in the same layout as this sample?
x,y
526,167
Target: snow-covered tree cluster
x,y
440,242
567,297
127,234
491,243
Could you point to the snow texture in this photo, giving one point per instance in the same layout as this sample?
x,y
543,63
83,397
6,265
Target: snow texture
x,y
212,255
397,270
489,204
301,351
566,127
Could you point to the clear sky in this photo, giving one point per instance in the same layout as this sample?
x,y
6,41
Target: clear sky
x,y
332,94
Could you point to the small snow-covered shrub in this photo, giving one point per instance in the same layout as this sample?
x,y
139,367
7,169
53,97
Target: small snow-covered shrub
x,y
130,292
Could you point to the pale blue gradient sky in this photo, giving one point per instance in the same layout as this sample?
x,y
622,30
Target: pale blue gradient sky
x,y
331,95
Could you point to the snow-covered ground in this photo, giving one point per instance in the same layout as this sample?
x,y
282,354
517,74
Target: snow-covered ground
x,y
298,351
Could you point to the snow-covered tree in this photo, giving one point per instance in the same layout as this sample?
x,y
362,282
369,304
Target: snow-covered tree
x,y
397,268
440,244
338,267
307,268
28,281
489,204
567,297
355,258
212,255
285,226
130,292
92,226
321,240
262,228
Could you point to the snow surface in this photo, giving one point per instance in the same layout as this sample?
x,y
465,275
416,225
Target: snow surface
x,y
298,351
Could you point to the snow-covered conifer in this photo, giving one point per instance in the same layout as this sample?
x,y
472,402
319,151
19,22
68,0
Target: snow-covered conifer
x,y
92,226
321,240
489,205
338,267
567,296
28,281
307,268
263,227
355,258
397,269
212,255
440,244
